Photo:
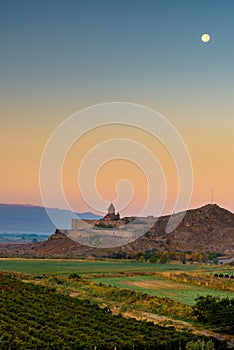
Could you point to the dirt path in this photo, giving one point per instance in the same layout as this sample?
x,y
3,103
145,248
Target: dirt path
x,y
167,321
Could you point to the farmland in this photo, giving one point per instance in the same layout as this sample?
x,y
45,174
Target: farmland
x,y
90,267
163,293
155,286
40,318
182,283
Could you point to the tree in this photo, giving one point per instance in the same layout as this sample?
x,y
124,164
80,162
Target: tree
x,y
215,311
152,258
163,259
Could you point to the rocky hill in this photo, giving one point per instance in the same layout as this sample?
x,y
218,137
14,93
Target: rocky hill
x,y
206,229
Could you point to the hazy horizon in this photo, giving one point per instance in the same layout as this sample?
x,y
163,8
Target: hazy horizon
x,y
97,213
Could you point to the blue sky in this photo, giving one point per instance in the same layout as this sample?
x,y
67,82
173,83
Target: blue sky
x,y
116,46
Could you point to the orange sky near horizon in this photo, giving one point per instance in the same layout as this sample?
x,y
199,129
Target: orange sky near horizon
x,y
211,155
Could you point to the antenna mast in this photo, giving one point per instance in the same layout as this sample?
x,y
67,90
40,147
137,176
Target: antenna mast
x,y
212,196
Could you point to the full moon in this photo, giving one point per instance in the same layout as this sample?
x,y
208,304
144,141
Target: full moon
x,y
205,38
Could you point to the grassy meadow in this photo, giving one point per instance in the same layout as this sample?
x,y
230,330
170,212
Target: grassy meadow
x,y
185,293
90,267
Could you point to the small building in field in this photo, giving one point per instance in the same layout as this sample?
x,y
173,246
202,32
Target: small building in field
x,y
225,260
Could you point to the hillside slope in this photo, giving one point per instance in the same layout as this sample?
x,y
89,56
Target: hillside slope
x,y
209,228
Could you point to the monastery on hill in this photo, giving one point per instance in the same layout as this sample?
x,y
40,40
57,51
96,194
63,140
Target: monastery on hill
x,y
110,220
110,231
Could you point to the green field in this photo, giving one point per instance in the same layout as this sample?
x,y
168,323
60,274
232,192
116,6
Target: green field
x,y
89,267
152,285
121,274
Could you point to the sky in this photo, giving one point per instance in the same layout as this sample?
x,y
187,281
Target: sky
x,y
59,57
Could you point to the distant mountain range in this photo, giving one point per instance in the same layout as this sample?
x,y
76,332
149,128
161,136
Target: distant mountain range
x,y
17,218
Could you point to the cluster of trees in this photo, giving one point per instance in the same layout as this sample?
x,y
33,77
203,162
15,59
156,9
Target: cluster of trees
x,y
215,311
157,256
152,256
36,317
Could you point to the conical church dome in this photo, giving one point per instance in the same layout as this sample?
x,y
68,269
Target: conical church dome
x,y
111,209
